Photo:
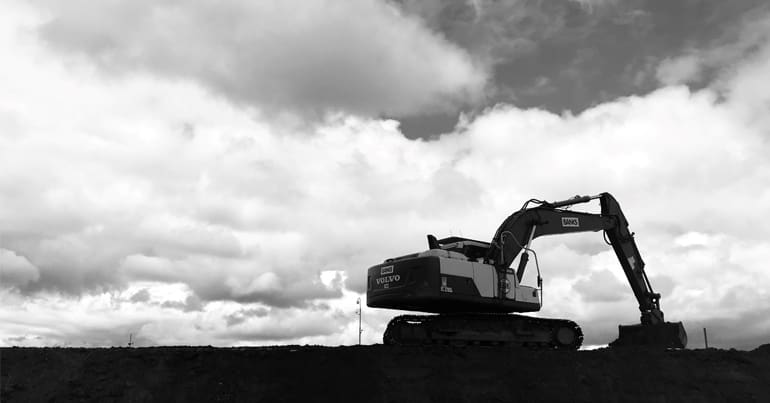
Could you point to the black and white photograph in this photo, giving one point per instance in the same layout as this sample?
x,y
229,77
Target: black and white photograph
x,y
385,201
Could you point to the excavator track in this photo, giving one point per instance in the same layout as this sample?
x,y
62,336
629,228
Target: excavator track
x,y
484,329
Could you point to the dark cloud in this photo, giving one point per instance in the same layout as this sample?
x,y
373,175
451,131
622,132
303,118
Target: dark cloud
x,y
89,259
568,55
242,315
142,295
16,271
703,62
428,125
240,281
573,55
297,57
191,304
64,269
285,290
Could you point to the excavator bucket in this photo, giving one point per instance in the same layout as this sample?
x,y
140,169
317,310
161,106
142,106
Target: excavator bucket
x,y
667,335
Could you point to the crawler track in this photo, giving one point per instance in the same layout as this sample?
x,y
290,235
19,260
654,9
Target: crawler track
x,y
484,329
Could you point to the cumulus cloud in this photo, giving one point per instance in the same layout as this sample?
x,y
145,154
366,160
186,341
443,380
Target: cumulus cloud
x,y
679,70
601,286
142,295
281,56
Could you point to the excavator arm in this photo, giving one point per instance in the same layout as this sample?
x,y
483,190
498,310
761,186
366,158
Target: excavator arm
x,y
518,230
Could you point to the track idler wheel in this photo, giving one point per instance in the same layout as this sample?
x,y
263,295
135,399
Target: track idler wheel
x,y
567,338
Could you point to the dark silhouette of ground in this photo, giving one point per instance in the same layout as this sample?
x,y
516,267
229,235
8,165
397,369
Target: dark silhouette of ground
x,y
382,374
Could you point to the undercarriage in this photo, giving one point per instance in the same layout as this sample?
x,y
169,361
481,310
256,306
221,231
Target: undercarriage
x,y
484,329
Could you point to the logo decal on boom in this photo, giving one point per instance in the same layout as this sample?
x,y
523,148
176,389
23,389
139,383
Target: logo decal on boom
x,y
570,222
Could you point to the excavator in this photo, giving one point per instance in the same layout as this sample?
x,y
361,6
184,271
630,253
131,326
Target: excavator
x,y
477,297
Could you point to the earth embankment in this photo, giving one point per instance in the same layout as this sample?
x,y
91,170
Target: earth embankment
x,y
382,374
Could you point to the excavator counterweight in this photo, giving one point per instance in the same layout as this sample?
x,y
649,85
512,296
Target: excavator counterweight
x,y
471,286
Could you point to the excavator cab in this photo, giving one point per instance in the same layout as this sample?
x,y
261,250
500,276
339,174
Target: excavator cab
x,y
472,249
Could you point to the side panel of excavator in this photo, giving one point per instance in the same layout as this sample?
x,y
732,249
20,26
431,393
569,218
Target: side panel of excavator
x,y
466,295
433,281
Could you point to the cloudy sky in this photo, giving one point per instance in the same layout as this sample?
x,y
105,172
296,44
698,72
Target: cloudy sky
x,y
223,173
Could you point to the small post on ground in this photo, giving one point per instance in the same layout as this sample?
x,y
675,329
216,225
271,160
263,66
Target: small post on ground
x,y
130,339
359,312
705,338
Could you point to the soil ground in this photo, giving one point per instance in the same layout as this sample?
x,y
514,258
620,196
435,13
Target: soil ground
x,y
382,374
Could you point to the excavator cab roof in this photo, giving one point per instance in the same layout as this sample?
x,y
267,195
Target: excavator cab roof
x,y
471,248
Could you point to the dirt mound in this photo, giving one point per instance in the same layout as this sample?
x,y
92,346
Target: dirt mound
x,y
382,374
763,349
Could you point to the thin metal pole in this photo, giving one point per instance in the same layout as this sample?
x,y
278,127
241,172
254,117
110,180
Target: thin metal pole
x,y
705,338
360,312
